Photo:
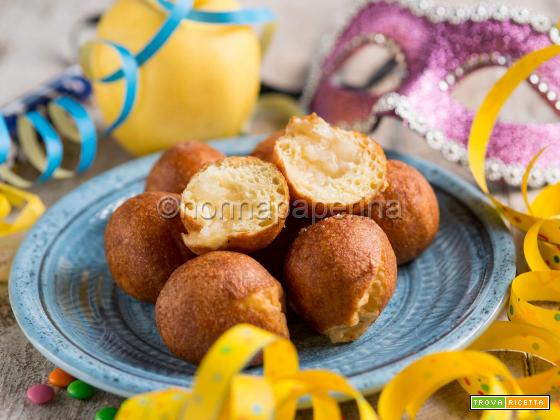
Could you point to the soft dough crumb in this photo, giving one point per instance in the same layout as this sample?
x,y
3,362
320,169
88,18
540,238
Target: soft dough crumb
x,y
233,199
329,166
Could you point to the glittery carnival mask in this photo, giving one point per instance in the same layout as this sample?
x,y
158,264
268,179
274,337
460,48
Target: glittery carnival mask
x,y
438,46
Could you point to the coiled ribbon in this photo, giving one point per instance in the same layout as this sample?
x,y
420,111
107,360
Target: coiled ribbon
x,y
221,393
13,227
68,117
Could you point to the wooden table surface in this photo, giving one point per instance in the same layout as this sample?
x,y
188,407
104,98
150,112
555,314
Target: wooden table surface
x,y
34,46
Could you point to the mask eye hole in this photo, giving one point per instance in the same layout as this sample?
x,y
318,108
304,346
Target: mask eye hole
x,y
373,68
525,106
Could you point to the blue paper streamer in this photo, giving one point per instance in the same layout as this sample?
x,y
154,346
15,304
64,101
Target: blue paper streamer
x,y
4,140
176,15
50,138
71,83
129,70
252,16
86,130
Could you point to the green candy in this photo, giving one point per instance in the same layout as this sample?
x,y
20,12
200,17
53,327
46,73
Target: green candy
x,y
107,413
80,390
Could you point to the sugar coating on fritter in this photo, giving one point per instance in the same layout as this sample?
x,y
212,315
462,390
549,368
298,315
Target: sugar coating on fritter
x,y
340,273
238,203
212,293
329,166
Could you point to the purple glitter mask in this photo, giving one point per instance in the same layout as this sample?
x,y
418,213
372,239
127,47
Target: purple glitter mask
x,y
440,45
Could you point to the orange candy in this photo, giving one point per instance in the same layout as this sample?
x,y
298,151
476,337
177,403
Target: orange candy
x,y
60,378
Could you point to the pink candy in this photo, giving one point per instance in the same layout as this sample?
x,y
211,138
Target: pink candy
x,y
40,394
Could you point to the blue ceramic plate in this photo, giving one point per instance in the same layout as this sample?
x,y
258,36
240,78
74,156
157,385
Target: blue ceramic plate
x,y
70,309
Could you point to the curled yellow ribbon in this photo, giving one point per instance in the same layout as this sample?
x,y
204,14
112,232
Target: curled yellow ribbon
x,y
14,226
532,329
220,392
542,222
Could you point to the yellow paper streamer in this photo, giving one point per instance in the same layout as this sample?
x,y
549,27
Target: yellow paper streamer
x,y
533,329
31,209
13,229
482,129
220,392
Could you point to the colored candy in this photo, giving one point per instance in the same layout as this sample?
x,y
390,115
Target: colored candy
x,y
80,390
107,413
40,394
60,378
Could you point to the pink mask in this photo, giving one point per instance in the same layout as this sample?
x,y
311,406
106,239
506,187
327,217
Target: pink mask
x,y
439,46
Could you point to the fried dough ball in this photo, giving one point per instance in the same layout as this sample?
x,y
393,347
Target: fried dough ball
x,y
265,149
325,166
143,243
177,165
339,274
407,211
237,203
212,293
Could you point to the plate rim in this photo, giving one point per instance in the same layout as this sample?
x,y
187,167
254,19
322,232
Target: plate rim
x,y
103,377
